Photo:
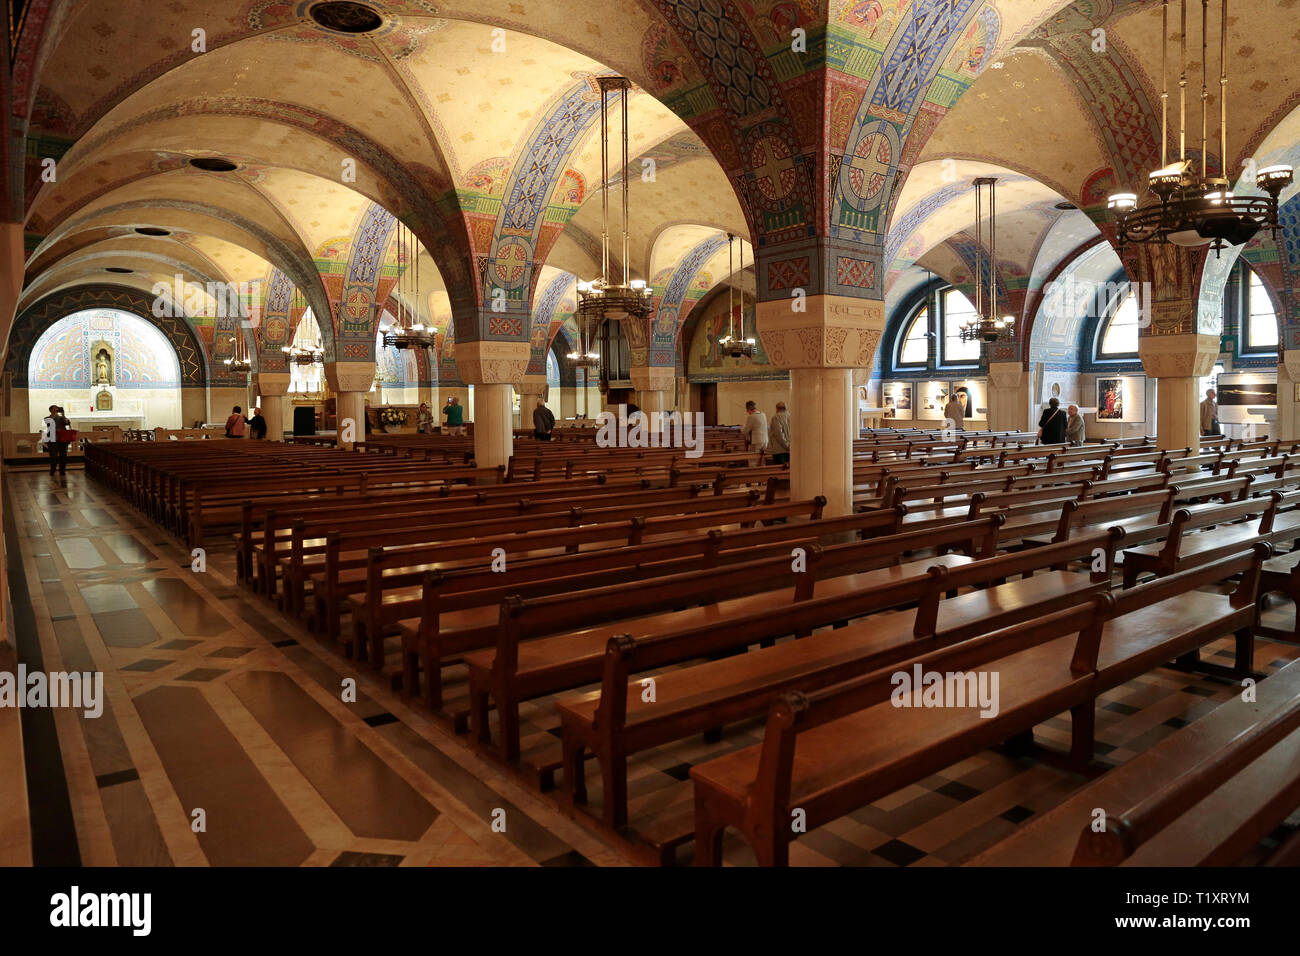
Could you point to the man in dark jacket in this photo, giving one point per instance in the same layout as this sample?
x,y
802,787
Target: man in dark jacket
x,y
543,421
257,425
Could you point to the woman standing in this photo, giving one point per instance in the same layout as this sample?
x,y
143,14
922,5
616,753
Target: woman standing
x,y
235,423
1051,426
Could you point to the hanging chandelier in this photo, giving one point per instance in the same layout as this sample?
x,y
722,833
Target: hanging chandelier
x,y
305,348
408,332
602,299
1195,208
986,326
733,344
239,362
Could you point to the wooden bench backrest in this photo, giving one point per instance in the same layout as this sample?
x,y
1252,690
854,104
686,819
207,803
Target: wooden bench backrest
x,y
1091,510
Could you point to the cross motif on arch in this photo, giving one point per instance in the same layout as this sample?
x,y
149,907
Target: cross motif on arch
x,y
869,165
773,177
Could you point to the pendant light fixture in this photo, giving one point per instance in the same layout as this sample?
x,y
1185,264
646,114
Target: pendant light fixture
x,y
603,299
987,326
1195,208
734,342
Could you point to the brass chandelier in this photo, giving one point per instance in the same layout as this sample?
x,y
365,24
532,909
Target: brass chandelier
x,y
736,346
602,299
305,348
1195,208
987,327
240,362
408,332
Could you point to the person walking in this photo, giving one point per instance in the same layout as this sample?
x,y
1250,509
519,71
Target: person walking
x,y
954,412
1051,425
455,416
1073,426
778,435
257,425
543,421
56,422
235,423
755,430
1210,414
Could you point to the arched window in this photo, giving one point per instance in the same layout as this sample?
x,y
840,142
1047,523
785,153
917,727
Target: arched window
x,y
1260,332
1119,333
914,347
957,311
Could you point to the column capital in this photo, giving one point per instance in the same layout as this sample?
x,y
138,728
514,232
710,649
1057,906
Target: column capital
x,y
492,363
1006,374
1181,355
350,376
272,383
832,331
648,378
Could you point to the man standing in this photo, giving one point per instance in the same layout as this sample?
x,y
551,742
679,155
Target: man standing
x,y
755,430
778,435
1073,426
543,421
257,425
1210,414
955,412
56,422
455,416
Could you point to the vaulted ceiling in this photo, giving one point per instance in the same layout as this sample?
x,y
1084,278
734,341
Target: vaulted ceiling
x,y
477,121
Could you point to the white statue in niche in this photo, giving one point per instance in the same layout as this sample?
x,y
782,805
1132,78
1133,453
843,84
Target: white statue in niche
x,y
103,367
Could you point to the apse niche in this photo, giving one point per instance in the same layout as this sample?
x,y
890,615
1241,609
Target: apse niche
x,y
105,367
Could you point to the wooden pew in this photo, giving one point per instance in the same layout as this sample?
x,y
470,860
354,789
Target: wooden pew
x,y
833,750
617,721
1235,526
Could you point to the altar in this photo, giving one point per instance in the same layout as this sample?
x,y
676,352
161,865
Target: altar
x,y
87,422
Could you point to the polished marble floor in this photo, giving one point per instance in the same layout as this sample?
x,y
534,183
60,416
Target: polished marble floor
x,y
225,740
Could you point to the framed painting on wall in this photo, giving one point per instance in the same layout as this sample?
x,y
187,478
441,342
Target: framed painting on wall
x,y
930,401
1121,398
973,397
898,400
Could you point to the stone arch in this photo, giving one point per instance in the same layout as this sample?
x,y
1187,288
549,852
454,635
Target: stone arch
x,y
33,321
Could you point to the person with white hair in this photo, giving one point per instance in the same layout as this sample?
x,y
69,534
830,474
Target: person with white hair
x,y
1073,425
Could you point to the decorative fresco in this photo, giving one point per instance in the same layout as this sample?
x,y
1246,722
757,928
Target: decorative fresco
x,y
142,358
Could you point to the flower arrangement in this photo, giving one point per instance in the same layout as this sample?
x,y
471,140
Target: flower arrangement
x,y
390,417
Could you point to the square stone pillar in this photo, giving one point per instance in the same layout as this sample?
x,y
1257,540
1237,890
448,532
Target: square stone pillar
x,y
654,387
274,387
822,345
493,368
1008,398
1176,361
351,382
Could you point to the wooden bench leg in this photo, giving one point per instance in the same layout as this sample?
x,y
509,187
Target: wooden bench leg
x,y
478,714
574,768
1083,732
1245,649
613,774
709,830
1130,574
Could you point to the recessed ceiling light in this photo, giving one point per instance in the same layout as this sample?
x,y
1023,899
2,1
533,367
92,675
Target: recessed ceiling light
x,y
119,270
1066,205
997,64
152,231
211,164
345,16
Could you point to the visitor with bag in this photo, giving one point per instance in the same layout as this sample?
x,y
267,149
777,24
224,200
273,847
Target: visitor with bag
x,y
1051,426
57,436
235,423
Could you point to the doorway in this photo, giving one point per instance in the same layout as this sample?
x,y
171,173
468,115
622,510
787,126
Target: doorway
x,y
709,402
